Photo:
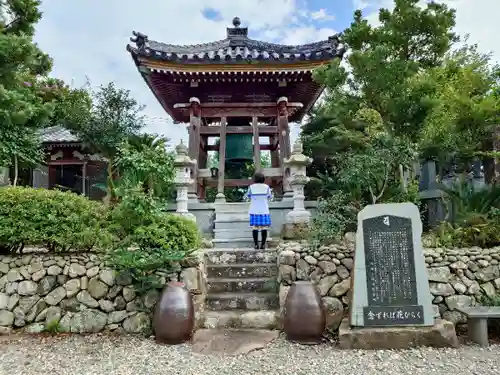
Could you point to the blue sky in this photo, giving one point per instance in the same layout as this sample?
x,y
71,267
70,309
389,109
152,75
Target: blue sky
x,y
87,38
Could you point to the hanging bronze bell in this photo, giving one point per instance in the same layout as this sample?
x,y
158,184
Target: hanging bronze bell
x,y
239,147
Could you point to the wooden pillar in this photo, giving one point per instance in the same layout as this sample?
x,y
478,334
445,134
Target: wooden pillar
x,y
194,144
275,158
222,161
202,165
275,163
284,143
256,143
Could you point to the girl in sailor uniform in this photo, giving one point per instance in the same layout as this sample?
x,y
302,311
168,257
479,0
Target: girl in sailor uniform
x,y
259,195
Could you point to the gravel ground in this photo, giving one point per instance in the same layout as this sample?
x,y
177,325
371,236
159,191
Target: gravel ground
x,y
126,355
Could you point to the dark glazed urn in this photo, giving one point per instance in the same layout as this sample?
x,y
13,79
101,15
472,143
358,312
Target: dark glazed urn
x,y
173,321
304,317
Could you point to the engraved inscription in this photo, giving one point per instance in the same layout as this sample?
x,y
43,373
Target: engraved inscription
x,y
393,315
389,261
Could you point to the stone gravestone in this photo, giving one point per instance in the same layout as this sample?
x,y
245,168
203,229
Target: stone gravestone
x,y
390,283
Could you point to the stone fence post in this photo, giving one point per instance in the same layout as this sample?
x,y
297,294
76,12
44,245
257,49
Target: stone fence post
x,y
297,164
183,165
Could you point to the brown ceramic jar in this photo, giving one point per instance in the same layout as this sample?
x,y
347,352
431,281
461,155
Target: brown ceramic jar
x,y
304,315
173,321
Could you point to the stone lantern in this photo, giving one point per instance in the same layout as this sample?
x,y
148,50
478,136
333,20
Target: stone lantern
x,y
183,169
296,166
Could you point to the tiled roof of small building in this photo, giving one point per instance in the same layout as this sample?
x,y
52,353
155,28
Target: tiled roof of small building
x,y
57,134
237,47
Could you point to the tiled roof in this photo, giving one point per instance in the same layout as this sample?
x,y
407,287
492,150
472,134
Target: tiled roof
x,y
56,134
237,47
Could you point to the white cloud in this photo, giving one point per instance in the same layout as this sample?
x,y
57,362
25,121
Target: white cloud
x,y
322,15
87,38
360,4
306,34
479,19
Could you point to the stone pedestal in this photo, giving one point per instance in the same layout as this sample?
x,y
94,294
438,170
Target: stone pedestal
x,y
296,167
220,198
183,169
441,335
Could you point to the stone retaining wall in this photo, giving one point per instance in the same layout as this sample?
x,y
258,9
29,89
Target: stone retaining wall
x,y
457,277
77,293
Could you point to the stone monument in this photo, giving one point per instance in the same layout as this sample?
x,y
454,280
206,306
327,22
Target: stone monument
x,y
391,304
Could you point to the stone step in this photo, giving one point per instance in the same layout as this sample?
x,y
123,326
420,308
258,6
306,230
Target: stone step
x,y
239,243
231,207
231,217
236,225
236,285
240,255
228,234
261,319
242,270
231,243
242,301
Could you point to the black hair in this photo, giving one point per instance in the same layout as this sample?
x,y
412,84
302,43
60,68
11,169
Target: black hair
x,y
259,178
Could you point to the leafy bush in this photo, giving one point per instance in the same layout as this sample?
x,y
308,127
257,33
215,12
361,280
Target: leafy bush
x,y
59,221
334,216
394,194
482,233
465,201
168,232
473,217
148,238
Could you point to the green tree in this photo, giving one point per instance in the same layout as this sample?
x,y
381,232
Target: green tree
x,y
373,99
72,106
22,110
466,108
145,161
115,117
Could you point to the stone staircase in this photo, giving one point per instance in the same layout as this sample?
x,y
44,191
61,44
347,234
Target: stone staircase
x,y
242,290
231,229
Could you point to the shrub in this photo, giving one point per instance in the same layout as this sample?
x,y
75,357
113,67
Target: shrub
x,y
474,217
56,220
334,216
480,231
138,219
149,239
463,200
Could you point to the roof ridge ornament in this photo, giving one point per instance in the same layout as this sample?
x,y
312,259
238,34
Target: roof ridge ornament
x,y
237,32
141,40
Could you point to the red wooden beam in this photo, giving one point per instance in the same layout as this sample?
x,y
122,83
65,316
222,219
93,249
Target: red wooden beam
x,y
215,130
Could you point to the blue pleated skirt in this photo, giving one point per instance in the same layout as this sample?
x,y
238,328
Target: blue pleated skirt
x,y
260,221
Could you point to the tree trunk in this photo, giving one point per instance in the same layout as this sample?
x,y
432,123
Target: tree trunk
x,y
404,188
16,171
